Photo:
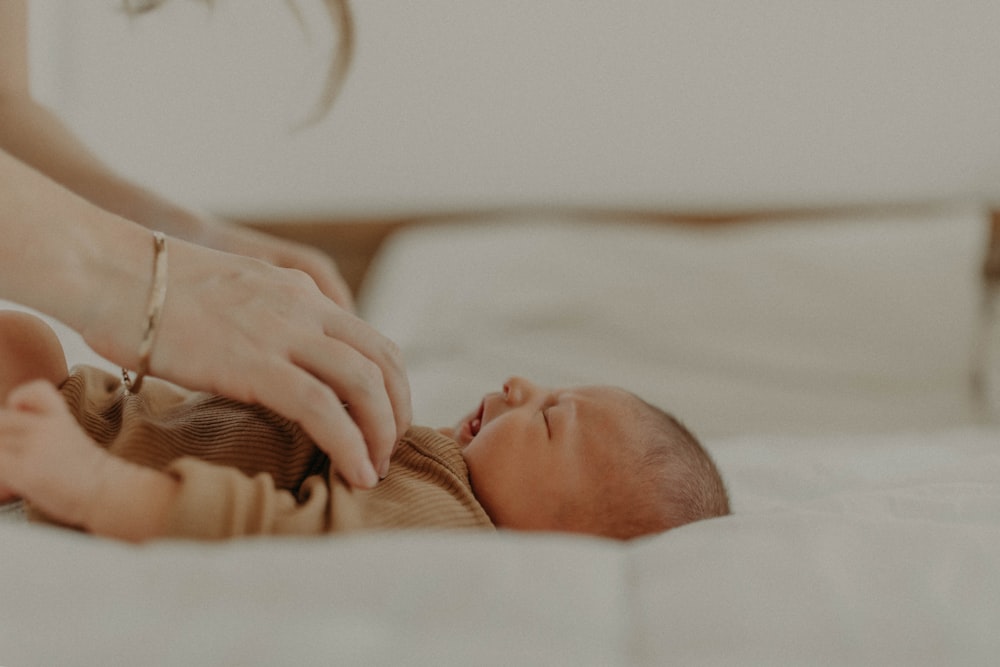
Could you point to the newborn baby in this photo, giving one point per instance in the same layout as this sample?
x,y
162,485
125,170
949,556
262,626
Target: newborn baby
x,y
595,460
172,463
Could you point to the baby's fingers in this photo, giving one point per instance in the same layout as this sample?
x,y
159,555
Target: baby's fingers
x,y
37,396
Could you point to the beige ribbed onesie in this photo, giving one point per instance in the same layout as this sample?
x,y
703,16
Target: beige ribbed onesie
x,y
246,470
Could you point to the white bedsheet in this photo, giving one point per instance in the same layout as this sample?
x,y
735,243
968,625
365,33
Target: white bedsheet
x,y
877,550
866,532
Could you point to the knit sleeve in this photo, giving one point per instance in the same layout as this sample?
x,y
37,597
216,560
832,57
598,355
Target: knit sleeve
x,y
216,502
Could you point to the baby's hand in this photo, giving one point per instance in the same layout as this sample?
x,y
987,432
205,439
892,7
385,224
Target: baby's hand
x,y
45,456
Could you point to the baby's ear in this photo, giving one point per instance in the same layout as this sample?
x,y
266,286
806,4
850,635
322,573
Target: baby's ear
x,y
447,432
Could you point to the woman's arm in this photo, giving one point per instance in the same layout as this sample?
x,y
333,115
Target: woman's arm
x,y
231,325
33,135
36,137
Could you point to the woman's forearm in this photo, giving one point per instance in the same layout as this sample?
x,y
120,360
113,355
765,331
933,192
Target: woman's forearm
x,y
35,136
270,327
69,258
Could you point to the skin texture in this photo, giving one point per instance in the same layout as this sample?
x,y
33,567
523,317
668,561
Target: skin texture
x,y
272,324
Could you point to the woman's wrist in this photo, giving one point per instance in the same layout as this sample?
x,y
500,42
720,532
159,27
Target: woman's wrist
x,y
115,276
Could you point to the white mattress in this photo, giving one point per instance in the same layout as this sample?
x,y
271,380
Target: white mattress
x,y
822,363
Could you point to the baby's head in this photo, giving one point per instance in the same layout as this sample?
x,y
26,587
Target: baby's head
x,y
594,460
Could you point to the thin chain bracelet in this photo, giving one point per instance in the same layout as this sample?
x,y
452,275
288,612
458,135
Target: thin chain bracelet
x,y
157,297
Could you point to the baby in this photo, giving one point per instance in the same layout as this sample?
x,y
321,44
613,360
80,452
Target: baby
x,y
172,463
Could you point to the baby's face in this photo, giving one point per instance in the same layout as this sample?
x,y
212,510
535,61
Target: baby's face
x,y
529,449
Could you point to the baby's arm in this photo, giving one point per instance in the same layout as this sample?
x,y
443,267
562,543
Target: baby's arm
x,y
47,458
29,350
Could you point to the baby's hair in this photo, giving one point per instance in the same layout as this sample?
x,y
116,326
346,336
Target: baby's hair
x,y
340,15
667,481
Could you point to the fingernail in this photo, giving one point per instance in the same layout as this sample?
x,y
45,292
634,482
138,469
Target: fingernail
x,y
366,474
383,470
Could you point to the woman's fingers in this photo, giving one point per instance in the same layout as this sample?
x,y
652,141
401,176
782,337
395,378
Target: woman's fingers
x,y
359,383
388,369
348,389
303,398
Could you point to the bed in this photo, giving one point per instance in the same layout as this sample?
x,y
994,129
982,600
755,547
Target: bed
x,y
866,488
819,327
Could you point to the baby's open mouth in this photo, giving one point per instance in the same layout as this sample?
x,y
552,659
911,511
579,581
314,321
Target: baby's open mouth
x,y
469,427
477,422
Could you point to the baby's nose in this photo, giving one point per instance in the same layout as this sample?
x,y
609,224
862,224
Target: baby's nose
x,y
516,390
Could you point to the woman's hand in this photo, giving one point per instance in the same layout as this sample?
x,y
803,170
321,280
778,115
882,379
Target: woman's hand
x,y
230,237
231,325
241,327
257,333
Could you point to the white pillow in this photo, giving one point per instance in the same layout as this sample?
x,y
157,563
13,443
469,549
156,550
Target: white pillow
x,y
840,324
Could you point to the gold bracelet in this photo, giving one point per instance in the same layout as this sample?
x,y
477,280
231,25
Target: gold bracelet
x,y
157,297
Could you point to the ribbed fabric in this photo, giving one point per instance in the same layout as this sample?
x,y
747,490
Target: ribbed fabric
x,y
246,470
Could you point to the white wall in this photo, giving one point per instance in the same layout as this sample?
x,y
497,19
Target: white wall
x,y
684,104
